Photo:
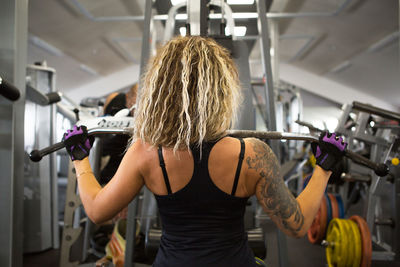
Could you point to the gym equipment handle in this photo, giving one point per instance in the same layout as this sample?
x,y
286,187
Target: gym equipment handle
x,y
387,114
37,155
379,168
309,126
8,90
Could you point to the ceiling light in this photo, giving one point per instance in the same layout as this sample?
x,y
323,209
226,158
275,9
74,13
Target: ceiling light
x,y
272,51
238,15
176,2
181,17
238,30
245,15
182,30
240,2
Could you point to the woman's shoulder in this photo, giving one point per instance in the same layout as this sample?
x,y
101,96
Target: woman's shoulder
x,y
141,148
228,142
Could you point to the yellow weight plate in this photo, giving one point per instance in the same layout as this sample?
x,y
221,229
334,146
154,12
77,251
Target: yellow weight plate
x,y
336,254
345,252
356,243
349,246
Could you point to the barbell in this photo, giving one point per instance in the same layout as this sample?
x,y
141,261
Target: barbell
x,y
380,169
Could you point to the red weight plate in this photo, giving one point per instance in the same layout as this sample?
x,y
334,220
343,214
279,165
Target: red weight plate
x,y
334,205
318,227
366,240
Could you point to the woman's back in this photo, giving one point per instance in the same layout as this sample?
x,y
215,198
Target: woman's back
x,y
202,215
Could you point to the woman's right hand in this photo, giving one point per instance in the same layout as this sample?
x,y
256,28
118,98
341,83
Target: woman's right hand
x,y
77,142
329,150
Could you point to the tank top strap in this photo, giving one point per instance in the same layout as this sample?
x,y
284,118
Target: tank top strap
x,y
239,166
164,170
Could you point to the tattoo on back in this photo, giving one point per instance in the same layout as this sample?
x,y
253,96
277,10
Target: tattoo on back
x,y
271,190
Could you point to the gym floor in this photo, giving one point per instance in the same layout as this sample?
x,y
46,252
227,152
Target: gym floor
x,y
301,253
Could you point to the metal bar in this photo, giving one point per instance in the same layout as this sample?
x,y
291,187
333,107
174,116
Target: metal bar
x,y
13,49
204,17
223,23
379,168
309,126
194,17
132,208
69,233
274,52
8,90
272,135
266,60
396,214
94,158
356,178
53,169
227,13
387,114
247,37
383,255
238,16
263,31
131,234
170,22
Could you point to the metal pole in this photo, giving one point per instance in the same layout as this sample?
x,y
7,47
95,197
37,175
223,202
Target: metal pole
x,y
266,60
193,17
274,52
197,14
53,167
132,208
204,18
13,50
262,24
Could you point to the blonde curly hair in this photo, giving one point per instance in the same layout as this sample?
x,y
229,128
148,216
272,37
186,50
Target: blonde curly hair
x,y
190,94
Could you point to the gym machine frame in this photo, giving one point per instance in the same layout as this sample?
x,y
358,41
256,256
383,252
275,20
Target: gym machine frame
x,y
266,60
381,145
13,55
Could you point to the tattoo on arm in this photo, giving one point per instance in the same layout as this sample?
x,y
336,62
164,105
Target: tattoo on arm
x,y
271,190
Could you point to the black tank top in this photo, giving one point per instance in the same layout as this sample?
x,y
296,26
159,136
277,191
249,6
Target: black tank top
x,y
201,224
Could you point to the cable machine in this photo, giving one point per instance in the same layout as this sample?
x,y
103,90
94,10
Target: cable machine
x,y
198,24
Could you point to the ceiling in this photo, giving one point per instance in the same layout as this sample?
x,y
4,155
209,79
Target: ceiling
x,y
334,47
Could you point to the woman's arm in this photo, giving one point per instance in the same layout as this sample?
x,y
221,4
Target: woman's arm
x,y
101,204
292,216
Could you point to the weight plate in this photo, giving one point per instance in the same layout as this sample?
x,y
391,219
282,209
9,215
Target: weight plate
x,y
366,240
334,205
340,205
349,248
337,239
356,242
329,209
317,230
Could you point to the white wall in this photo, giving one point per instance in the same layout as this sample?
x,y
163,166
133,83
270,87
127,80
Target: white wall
x,y
327,88
106,85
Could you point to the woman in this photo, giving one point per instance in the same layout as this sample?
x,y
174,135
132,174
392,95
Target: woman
x,y
201,178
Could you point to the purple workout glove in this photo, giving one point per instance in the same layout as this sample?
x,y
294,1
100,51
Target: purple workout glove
x,y
77,142
329,150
